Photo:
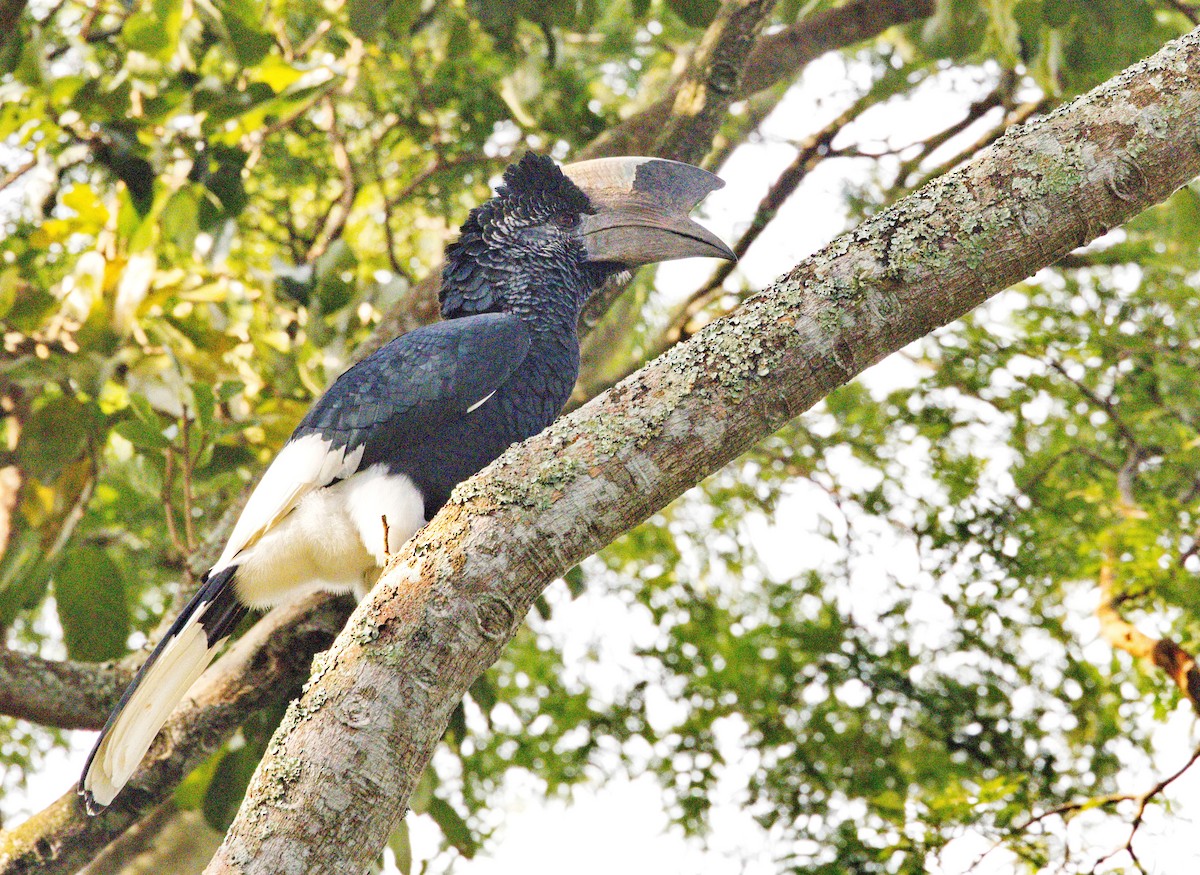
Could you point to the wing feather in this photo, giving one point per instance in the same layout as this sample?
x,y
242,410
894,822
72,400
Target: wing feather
x,y
401,392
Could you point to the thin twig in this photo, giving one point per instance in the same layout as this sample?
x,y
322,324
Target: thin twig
x,y
189,526
13,175
168,482
339,209
812,151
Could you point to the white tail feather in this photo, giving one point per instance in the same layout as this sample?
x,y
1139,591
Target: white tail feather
x,y
164,685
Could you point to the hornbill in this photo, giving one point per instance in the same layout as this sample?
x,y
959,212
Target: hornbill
x,y
380,451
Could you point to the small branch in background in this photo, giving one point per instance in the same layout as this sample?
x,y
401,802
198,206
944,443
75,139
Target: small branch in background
x,y
86,30
975,112
168,487
1104,404
1178,663
309,44
339,210
1143,801
812,151
1092,803
711,81
389,237
390,202
15,174
1188,12
1018,116
189,526
168,839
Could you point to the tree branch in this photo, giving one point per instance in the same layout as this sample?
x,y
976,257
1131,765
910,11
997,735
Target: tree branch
x,y
266,666
703,94
66,694
1179,665
339,772
775,56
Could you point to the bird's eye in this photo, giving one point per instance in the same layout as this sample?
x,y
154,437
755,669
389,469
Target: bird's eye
x,y
565,220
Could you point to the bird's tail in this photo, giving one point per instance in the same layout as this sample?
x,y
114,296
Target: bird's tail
x,y
178,660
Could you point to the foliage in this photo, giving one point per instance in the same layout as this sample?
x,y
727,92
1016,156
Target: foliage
x,y
209,205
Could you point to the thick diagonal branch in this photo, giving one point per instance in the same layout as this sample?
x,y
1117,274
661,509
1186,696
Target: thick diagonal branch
x,y
339,772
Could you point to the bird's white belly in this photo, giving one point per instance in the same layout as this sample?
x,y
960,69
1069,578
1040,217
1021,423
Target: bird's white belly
x,y
332,540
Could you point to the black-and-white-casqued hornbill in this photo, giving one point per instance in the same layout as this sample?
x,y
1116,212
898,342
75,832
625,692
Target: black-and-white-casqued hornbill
x,y
396,432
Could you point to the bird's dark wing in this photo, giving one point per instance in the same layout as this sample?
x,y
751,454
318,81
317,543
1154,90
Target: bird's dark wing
x,y
419,380
400,393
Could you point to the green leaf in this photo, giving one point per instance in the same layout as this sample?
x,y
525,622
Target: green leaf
x,y
228,785
55,435
421,796
156,32
401,846
10,284
180,218
143,32
453,827
204,404
141,408
141,434
92,605
249,42
695,13
575,581
24,574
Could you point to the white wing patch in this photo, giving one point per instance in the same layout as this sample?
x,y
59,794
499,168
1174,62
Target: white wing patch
x,y
303,465
333,540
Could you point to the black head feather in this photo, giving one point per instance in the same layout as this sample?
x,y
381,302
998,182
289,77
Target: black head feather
x,y
518,237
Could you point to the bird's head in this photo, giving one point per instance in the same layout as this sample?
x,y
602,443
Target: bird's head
x,y
551,235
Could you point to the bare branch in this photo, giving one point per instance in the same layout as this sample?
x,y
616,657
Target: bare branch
x,y
812,152
339,209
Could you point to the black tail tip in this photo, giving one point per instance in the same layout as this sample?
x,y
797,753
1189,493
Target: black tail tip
x,y
89,802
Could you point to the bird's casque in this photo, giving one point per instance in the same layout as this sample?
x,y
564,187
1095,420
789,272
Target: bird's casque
x,y
397,431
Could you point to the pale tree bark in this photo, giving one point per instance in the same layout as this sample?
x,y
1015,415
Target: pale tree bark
x,y
339,771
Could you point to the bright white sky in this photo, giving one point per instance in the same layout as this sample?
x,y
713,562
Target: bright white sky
x,y
620,825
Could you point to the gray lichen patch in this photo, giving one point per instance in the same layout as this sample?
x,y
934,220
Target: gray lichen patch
x,y
276,777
